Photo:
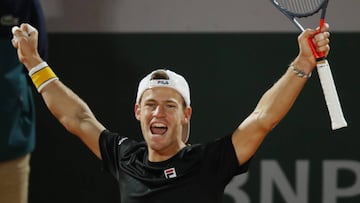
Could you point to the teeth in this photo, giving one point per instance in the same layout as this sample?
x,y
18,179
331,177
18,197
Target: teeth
x,y
158,125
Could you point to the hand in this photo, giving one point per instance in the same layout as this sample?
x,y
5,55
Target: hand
x,y
25,40
320,39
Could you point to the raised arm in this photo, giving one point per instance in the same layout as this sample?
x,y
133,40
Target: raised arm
x,y
278,100
71,111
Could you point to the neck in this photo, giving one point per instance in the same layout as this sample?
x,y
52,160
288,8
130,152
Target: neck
x,y
164,154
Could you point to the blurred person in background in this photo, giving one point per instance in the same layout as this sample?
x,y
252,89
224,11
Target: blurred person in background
x,y
17,109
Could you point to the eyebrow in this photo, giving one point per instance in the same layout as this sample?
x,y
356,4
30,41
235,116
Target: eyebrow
x,y
173,101
165,101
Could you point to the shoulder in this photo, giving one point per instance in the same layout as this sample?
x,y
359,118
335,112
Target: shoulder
x,y
211,151
114,140
114,146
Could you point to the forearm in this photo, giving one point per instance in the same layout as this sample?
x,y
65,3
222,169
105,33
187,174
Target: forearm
x,y
71,111
272,107
278,100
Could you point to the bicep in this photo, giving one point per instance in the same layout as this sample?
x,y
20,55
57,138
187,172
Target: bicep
x,y
248,137
89,133
74,114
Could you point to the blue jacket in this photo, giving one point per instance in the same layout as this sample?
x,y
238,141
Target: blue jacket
x,y
17,113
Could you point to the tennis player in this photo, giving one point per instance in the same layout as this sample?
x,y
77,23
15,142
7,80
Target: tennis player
x,y
164,168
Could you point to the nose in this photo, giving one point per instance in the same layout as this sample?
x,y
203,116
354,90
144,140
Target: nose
x,y
159,111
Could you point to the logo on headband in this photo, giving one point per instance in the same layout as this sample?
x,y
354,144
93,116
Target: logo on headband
x,y
162,82
159,83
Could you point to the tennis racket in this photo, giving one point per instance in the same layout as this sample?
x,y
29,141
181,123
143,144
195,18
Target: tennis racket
x,y
295,9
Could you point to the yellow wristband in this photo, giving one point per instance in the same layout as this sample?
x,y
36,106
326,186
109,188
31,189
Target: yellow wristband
x,y
43,77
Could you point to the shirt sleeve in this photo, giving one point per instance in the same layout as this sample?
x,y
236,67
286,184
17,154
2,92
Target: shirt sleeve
x,y
112,147
223,160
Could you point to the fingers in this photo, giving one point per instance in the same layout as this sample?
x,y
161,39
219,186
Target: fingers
x,y
17,33
28,28
319,46
321,42
14,39
323,28
14,29
25,40
25,30
319,37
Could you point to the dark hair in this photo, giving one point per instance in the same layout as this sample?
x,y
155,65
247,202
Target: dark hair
x,y
159,74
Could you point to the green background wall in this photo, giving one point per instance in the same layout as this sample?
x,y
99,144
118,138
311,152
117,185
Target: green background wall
x,y
227,74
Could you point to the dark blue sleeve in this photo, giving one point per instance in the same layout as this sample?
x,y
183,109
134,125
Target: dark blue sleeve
x,y
15,12
37,19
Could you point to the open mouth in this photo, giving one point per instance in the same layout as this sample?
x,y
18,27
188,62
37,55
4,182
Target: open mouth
x,y
158,129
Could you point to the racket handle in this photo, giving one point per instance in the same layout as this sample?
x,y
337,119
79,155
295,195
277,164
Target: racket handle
x,y
318,55
331,96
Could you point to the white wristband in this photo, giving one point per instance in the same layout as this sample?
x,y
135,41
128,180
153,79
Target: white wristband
x,y
37,68
46,83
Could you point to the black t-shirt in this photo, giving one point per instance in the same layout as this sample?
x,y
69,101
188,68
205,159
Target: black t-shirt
x,y
197,173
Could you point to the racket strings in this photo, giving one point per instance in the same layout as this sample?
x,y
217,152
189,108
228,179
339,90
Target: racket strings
x,y
300,7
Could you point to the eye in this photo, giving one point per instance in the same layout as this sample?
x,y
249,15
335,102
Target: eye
x,y
150,104
171,106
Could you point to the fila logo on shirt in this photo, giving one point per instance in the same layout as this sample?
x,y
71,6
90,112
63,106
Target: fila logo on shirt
x,y
170,173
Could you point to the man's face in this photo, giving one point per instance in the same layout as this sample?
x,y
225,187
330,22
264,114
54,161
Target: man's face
x,y
162,115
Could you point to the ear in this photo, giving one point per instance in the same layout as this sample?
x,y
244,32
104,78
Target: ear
x,y
187,113
137,111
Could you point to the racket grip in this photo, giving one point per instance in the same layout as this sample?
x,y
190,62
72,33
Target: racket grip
x,y
318,55
331,96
